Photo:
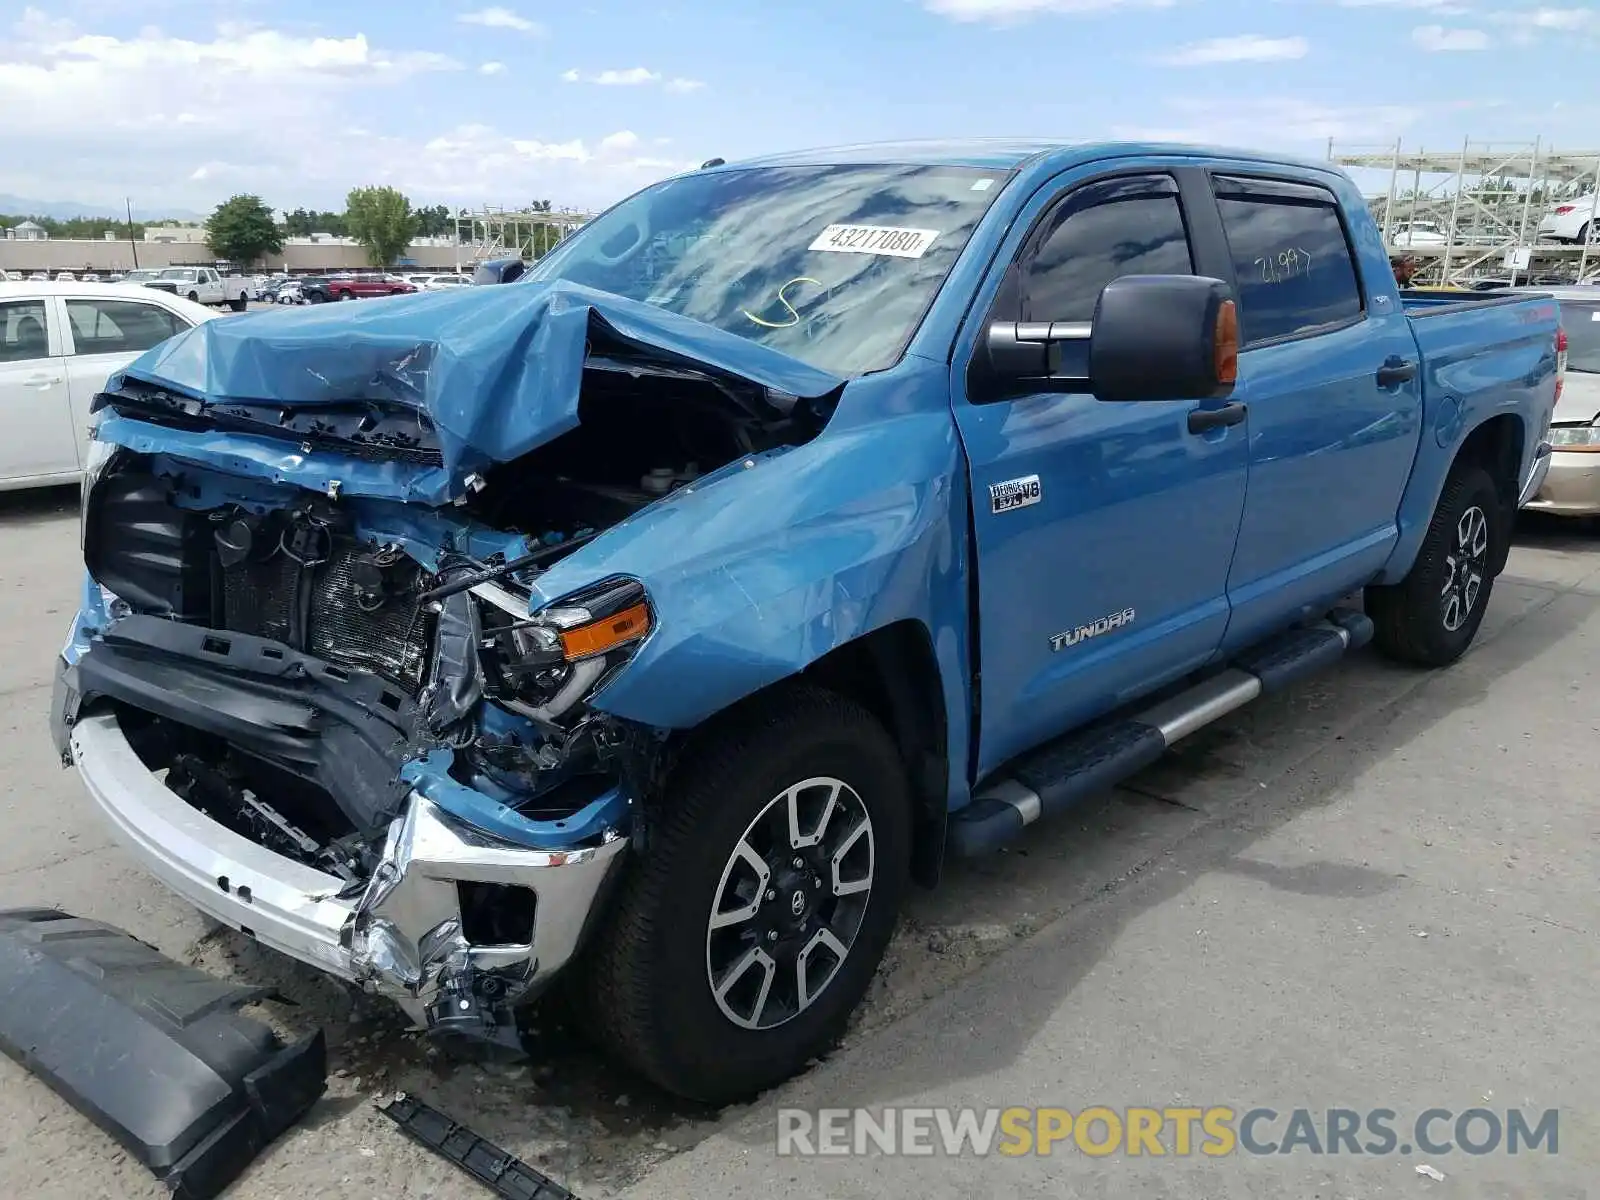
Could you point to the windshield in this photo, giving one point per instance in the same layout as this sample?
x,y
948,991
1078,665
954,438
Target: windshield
x,y
177,273
1581,320
142,273
833,265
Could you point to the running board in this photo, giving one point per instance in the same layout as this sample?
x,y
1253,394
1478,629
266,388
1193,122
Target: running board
x,y
1086,762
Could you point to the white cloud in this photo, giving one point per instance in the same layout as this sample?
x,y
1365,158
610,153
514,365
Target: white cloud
x,y
1244,48
1436,39
500,18
492,68
1445,7
1008,12
1565,18
632,77
624,139
162,118
1296,124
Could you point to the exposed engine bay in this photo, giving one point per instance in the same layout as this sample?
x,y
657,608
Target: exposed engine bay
x,y
336,653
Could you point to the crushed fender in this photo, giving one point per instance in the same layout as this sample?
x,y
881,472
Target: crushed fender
x,y
152,1051
508,1175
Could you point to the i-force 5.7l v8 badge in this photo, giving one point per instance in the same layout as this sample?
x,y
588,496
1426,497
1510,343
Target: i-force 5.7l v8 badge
x,y
1014,493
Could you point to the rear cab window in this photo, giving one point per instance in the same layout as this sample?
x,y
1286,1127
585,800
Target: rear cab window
x,y
1294,271
1581,320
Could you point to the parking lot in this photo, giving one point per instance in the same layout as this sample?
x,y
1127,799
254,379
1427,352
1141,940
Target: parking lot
x,y
1376,892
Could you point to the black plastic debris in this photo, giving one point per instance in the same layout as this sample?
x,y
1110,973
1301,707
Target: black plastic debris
x,y
508,1175
152,1051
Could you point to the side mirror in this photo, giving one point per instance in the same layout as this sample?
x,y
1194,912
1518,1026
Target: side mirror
x,y
499,270
1164,337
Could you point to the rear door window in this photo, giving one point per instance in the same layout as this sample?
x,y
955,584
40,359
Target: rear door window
x,y
120,326
1291,259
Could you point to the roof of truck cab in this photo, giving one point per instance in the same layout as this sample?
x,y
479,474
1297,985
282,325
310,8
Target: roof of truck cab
x,y
1003,153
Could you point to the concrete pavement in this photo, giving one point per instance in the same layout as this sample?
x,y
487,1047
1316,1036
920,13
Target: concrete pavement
x,y
1241,925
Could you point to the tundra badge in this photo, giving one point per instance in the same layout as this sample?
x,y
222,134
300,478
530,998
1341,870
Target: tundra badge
x,y
1014,493
1094,629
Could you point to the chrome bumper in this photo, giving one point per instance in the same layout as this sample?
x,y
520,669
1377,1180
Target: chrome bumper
x,y
1537,470
1569,486
402,935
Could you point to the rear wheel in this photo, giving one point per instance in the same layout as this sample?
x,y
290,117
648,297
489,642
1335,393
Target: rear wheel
x,y
748,931
1431,616
239,304
1583,234
346,296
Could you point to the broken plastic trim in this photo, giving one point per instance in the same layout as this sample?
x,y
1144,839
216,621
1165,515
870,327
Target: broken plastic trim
x,y
150,1050
452,1141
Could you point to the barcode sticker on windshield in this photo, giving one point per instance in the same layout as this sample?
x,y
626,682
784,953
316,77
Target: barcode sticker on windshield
x,y
875,239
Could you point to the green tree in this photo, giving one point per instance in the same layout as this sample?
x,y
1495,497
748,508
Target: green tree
x,y
242,230
380,218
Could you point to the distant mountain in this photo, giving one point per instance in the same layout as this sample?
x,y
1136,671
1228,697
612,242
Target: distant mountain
x,y
63,210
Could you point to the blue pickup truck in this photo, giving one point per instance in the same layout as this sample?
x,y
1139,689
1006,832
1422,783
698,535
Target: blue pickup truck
x,y
654,620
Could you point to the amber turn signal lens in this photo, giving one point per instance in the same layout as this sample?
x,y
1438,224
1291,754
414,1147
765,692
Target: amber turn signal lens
x,y
586,641
1225,344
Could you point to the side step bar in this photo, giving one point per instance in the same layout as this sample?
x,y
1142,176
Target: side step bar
x,y
1086,762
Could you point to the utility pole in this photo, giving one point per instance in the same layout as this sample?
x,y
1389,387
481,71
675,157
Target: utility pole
x,y
132,245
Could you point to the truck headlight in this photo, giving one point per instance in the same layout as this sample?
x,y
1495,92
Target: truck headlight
x,y
1575,437
545,665
95,463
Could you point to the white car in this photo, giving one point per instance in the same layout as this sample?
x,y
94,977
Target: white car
x,y
441,283
1412,234
91,277
1571,221
58,343
66,277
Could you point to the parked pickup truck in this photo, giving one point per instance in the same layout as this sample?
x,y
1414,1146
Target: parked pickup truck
x,y
651,621
204,285
363,287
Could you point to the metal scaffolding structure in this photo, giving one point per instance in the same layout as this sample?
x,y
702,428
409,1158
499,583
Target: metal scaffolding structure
x,y
499,232
1473,213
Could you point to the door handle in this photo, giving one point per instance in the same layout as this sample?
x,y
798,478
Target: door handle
x,y
1396,370
41,379
1203,419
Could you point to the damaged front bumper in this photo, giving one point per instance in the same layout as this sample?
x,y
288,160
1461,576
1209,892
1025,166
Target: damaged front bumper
x,y
402,933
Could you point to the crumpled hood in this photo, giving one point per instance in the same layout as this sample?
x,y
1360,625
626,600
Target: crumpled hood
x,y
497,369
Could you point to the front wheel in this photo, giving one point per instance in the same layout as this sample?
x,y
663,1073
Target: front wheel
x,y
1431,616
194,297
749,929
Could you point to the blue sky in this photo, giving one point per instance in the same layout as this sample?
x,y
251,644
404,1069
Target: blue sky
x,y
183,102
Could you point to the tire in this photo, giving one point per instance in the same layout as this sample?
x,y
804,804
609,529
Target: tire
x,y
316,298
239,304
194,297
1431,616
1583,235
346,296
647,985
